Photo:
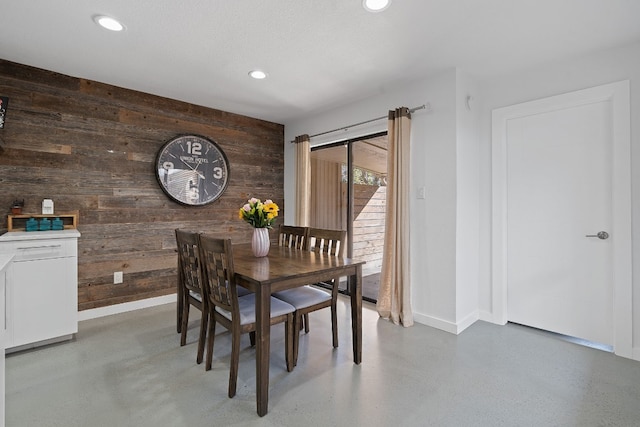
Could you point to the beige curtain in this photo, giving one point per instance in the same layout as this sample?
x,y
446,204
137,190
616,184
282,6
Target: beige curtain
x,y
394,302
303,180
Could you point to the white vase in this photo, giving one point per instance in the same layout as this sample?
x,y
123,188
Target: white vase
x,y
260,242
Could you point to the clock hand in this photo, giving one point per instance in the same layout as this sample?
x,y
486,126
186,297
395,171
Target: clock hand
x,y
192,168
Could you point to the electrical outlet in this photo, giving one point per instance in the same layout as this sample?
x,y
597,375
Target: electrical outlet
x,y
117,277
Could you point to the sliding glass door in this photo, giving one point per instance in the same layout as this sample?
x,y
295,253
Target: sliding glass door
x,y
348,191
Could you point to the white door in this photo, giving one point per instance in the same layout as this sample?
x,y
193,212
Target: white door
x,y
561,172
558,192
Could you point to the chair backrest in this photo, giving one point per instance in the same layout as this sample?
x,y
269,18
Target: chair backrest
x,y
326,241
293,236
218,274
189,260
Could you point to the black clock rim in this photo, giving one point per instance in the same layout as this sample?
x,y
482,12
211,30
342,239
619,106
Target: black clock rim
x,y
207,139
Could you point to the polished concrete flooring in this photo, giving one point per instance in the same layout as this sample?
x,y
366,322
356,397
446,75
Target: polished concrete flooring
x,y
129,370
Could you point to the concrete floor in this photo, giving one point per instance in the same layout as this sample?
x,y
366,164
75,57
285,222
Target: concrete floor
x,y
129,370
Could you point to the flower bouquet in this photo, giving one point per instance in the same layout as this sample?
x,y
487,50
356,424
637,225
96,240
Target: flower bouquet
x,y
261,217
258,214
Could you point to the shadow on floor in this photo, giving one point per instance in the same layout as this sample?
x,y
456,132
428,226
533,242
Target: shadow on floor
x,y
370,285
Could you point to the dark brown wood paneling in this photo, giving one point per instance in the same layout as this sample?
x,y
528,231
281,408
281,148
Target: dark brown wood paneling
x,y
91,147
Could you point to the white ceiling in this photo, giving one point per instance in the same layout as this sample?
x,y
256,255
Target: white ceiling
x,y
318,53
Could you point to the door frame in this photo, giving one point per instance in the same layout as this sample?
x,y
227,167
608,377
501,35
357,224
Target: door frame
x,y
617,94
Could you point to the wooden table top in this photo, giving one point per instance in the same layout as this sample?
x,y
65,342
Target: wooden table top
x,y
283,262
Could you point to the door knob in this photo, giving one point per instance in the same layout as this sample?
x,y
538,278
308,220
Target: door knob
x,y
602,235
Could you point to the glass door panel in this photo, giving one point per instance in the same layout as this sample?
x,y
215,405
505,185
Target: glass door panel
x,y
348,192
369,171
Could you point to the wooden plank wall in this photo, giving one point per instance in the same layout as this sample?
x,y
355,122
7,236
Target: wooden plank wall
x,y
91,147
368,226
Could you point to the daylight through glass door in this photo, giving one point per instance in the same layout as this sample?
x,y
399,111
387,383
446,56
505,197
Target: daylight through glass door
x,y
348,192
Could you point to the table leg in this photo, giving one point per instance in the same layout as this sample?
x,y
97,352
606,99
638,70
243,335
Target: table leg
x,y
355,290
179,296
263,340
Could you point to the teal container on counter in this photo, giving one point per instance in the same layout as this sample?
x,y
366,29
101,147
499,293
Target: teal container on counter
x,y
31,224
57,224
45,224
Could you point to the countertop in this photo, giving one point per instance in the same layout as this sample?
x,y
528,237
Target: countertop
x,y
34,235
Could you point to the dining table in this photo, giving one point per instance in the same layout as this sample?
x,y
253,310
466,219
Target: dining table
x,y
286,268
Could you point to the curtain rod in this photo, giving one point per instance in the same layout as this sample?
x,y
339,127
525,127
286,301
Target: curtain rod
x,y
426,106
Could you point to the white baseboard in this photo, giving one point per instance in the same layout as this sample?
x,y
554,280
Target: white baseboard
x,y
94,313
468,321
445,325
434,322
487,316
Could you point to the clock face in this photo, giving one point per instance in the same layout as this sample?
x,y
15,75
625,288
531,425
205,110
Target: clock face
x,y
192,170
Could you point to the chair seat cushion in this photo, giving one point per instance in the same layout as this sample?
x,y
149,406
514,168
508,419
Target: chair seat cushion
x,y
239,289
303,297
195,296
247,305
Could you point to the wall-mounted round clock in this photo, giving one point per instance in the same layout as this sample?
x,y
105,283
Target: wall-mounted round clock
x,y
192,170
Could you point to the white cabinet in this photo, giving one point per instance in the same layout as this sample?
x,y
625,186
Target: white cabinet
x,y
5,263
42,287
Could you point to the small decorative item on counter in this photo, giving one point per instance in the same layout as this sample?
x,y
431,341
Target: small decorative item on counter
x,y
45,224
47,207
16,207
31,224
57,224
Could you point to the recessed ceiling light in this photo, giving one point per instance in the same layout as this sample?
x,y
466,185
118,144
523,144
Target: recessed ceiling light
x,y
108,23
258,74
375,5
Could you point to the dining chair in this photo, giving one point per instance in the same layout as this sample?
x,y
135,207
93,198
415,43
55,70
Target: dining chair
x,y
292,236
307,299
236,314
189,278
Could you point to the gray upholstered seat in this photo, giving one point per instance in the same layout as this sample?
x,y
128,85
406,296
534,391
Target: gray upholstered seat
x,y
247,309
307,298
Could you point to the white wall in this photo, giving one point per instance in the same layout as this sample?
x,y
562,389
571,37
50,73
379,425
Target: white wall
x,y
617,64
468,202
444,155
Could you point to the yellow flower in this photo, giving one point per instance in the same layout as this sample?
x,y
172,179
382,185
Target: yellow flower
x,y
259,214
271,207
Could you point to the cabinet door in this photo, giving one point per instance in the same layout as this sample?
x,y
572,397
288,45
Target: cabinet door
x,y
3,275
44,300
